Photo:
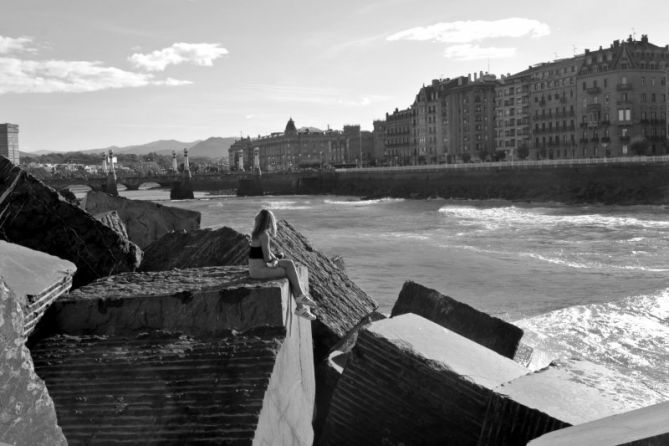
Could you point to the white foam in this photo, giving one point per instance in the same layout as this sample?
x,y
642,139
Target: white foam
x,y
363,202
512,215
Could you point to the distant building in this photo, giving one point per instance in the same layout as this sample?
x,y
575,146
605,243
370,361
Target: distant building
x,y
512,101
400,142
9,142
305,148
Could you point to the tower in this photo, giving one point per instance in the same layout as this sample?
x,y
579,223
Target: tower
x,y
9,142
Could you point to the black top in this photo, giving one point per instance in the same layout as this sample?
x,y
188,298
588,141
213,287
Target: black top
x,y
255,252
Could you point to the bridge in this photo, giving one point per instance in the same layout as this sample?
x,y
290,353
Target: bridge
x,y
202,182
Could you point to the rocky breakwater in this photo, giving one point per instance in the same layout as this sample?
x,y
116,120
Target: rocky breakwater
x,y
190,356
27,414
36,216
145,221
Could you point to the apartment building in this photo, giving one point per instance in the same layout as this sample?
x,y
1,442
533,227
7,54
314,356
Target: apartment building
x,y
512,109
622,107
9,142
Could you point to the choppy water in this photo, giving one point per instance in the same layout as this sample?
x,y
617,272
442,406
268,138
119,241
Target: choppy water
x,y
589,281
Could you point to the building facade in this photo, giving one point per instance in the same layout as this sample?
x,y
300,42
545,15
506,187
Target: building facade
x,y
399,142
304,148
512,108
622,107
9,142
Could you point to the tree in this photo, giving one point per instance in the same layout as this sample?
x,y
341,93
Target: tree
x,y
466,157
640,147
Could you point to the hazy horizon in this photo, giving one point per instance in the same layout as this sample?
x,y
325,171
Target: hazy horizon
x,y
79,75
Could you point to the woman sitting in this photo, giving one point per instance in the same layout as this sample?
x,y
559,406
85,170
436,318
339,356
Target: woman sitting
x,y
263,264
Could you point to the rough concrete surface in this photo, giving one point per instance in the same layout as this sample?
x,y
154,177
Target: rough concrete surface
x,y
648,426
27,414
410,381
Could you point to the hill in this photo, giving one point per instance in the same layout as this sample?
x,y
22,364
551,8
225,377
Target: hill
x,y
214,147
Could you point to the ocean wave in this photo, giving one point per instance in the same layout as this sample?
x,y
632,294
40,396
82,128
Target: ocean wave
x,y
285,205
630,334
363,202
592,265
558,261
516,216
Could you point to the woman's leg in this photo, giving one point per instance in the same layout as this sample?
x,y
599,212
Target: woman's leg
x,y
291,272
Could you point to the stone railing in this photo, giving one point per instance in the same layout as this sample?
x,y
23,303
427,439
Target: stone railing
x,y
512,164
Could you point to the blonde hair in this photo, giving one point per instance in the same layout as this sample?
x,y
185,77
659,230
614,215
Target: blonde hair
x,y
265,221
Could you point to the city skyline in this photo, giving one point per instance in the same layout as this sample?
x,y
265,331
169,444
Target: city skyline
x,y
80,75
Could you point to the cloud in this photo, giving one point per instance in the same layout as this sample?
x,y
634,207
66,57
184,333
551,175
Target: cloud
x,y
472,52
474,30
202,54
9,44
50,76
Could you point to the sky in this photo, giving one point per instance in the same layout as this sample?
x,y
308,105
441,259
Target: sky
x,y
84,74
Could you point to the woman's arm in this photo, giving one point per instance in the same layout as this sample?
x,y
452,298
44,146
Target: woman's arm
x,y
266,251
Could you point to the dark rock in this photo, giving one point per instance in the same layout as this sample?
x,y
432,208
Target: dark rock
x,y
27,414
647,426
200,356
409,381
68,195
36,216
145,221
541,402
112,220
491,332
339,261
36,278
194,249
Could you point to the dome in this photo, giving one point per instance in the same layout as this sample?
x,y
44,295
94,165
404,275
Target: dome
x,y
290,128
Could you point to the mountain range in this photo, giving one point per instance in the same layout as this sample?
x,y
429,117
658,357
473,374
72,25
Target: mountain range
x,y
214,147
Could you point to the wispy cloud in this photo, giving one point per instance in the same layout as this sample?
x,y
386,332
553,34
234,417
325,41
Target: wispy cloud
x,y
473,52
11,44
474,30
51,76
202,54
21,75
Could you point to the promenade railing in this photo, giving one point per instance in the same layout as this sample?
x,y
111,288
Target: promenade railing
x,y
511,164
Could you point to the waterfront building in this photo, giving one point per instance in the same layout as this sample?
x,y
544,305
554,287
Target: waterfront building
x,y
512,109
9,142
379,134
622,106
304,148
552,108
400,143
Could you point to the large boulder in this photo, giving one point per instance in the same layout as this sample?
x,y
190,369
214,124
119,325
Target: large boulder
x,y
27,414
113,220
489,331
145,221
409,381
192,356
36,216
36,278
195,249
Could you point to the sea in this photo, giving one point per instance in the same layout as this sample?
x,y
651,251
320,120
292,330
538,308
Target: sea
x,y
587,282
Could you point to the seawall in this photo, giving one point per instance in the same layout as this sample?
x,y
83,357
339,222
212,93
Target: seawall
x,y
633,183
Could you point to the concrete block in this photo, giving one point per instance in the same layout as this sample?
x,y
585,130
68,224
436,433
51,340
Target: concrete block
x,y
489,331
411,381
541,402
196,301
203,377
36,216
648,426
27,413
145,221
36,278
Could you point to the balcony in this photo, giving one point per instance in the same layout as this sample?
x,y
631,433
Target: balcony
x,y
623,102
624,86
593,90
594,139
605,123
594,107
583,140
606,140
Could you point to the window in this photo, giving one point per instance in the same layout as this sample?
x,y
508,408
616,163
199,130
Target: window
x,y
643,81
